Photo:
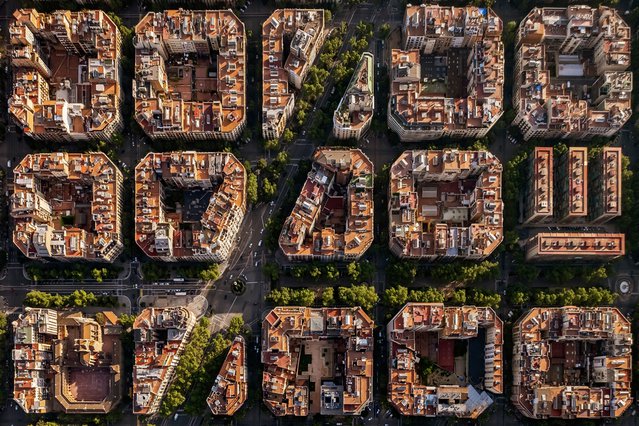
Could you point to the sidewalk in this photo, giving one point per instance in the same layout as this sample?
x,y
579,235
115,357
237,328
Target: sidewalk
x,y
196,304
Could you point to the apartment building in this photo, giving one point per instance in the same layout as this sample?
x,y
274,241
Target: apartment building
x,y
447,80
333,216
190,75
445,205
570,245
230,389
585,187
66,362
572,363
160,336
354,114
189,205
587,51
605,184
66,83
539,198
427,331
67,207
300,34
571,189
317,361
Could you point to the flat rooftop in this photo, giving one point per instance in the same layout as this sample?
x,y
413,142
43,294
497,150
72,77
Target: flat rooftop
x,y
355,109
445,203
289,38
588,93
577,245
430,331
160,335
67,206
333,215
571,362
467,92
230,388
66,74
317,361
190,74
212,201
65,362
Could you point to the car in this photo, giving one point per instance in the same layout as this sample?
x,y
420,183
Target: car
x,y
251,245
262,231
259,244
257,263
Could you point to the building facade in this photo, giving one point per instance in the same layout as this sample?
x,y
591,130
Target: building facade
x,y
68,207
445,47
354,114
160,336
588,92
170,230
539,199
333,216
66,362
190,75
445,205
292,335
304,30
572,363
427,331
66,82
230,388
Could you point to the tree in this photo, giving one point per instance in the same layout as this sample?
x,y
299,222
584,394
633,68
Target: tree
x,y
517,295
384,30
331,272
126,321
299,271
251,188
236,325
268,189
288,136
394,297
480,297
37,299
359,272
327,16
315,272
286,296
281,159
358,295
271,145
211,273
188,368
261,164
402,272
427,295
302,297
279,297
596,274
458,297
328,298
271,270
